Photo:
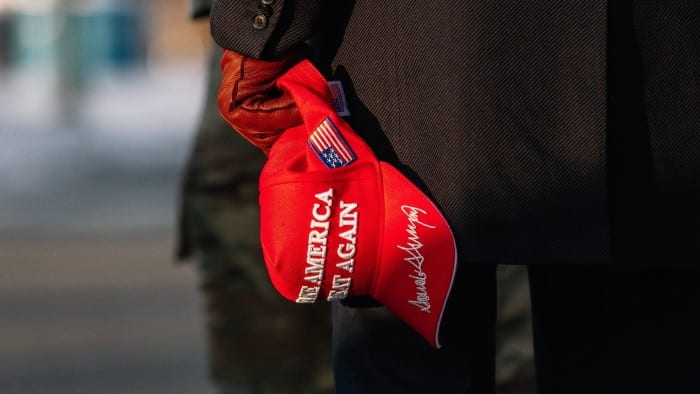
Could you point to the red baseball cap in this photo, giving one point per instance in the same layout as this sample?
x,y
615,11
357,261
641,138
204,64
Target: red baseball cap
x,y
337,222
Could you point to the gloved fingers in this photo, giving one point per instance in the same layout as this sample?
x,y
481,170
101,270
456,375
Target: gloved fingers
x,y
250,100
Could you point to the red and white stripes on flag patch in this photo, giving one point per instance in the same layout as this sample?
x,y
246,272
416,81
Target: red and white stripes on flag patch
x,y
330,146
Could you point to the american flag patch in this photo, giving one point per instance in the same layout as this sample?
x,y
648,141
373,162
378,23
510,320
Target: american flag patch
x,y
330,146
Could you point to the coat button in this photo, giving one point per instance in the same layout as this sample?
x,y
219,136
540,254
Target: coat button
x,y
259,22
267,2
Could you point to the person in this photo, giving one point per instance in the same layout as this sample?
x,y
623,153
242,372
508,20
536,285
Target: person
x,y
561,136
257,343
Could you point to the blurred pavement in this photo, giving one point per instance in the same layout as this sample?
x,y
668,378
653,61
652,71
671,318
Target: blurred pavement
x,y
98,314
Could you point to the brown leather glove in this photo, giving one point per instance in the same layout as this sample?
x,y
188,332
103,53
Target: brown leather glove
x,y
249,100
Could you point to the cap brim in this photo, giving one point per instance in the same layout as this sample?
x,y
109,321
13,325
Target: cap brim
x,y
419,256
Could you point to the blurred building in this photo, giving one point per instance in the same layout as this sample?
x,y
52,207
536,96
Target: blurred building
x,y
71,42
100,94
91,34
99,33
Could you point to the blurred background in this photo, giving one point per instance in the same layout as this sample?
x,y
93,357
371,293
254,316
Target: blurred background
x,y
98,104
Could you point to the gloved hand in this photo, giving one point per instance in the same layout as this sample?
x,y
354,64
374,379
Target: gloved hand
x,y
249,100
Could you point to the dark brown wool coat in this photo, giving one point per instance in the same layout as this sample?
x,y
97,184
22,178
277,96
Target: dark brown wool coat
x,y
548,131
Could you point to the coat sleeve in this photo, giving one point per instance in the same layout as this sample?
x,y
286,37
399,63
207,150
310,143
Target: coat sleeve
x,y
263,29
